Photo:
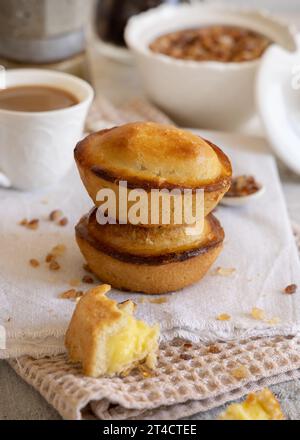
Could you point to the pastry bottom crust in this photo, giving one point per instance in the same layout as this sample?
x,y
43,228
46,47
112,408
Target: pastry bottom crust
x,y
149,278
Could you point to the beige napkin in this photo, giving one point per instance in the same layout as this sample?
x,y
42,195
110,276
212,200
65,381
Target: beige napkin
x,y
191,377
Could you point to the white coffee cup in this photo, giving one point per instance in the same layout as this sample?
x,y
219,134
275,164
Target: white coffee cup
x,y
36,148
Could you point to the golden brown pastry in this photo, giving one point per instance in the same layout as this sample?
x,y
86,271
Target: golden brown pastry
x,y
149,260
258,406
153,156
106,338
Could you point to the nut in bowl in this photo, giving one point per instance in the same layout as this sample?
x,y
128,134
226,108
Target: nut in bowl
x,y
244,189
202,93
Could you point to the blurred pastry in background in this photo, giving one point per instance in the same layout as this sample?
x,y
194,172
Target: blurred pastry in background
x,y
262,405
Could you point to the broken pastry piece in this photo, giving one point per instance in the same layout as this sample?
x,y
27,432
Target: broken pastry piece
x,y
106,337
257,406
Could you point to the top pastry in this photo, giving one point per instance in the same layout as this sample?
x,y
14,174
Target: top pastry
x,y
149,156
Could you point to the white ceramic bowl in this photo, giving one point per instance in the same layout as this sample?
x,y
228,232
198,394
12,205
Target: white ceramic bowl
x,y
204,94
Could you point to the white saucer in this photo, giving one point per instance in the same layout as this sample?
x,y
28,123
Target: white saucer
x,y
278,101
244,200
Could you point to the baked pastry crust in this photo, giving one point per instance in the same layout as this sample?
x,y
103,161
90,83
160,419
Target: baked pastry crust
x,y
148,260
105,337
149,156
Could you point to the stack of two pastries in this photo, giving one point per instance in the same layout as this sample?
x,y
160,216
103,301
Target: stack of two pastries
x,y
150,258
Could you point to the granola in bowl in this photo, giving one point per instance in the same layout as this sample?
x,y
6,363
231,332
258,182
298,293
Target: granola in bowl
x,y
212,43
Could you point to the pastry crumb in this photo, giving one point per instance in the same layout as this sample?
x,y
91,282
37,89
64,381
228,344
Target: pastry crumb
x,y
273,321
49,258
55,215
54,265
224,271
71,294
87,279
223,317
63,222
23,222
290,289
161,300
258,314
30,224
145,371
58,250
34,263
33,224
127,372
240,372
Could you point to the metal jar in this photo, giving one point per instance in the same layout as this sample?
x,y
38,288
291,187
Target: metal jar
x,y
42,31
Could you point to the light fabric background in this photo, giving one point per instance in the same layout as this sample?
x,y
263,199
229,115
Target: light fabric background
x,y
259,245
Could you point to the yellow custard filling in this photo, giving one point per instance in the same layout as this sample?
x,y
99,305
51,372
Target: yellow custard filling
x,y
129,345
246,412
105,337
258,406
